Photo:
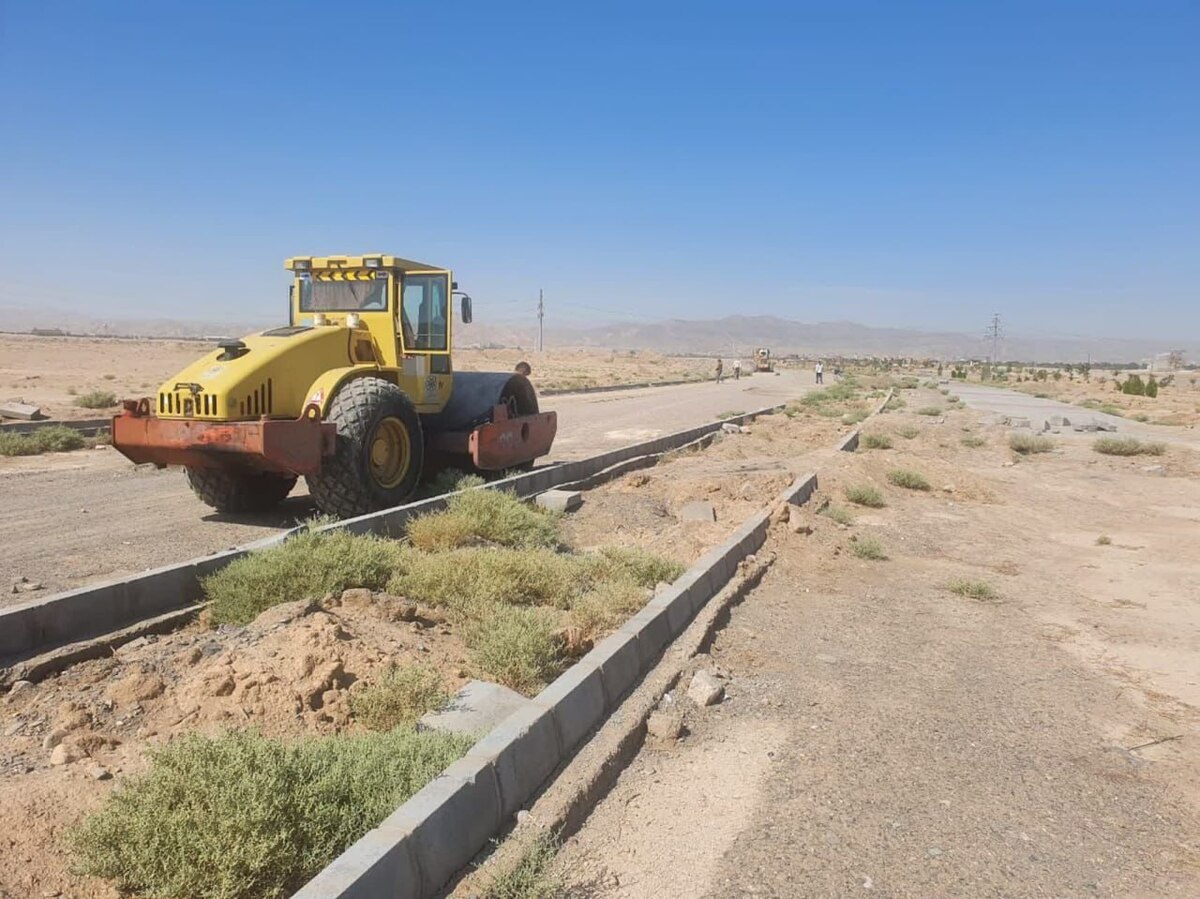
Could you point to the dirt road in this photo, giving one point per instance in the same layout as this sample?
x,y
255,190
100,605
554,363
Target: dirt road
x,y
884,736
72,518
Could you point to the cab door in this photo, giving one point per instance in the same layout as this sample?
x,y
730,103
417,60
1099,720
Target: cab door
x,y
424,333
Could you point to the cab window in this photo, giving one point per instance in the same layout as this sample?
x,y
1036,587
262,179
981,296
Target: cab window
x,y
425,312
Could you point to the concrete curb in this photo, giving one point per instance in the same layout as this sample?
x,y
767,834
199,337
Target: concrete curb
x,y
849,443
454,816
34,627
569,391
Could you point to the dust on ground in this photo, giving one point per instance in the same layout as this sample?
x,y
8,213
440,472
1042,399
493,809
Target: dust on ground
x,y
293,671
882,735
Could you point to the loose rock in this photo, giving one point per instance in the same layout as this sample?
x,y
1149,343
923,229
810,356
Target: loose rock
x,y
698,511
705,689
63,755
665,725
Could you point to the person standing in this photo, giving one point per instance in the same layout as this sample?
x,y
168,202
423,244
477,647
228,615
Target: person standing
x,y
820,369
737,369
720,370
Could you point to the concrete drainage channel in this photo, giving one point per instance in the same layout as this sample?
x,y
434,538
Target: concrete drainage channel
x,y
41,636
421,846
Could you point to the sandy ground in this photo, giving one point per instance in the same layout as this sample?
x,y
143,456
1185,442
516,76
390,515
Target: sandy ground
x,y
73,518
884,736
293,670
51,372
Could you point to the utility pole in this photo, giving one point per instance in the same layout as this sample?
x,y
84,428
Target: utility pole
x,y
541,316
994,333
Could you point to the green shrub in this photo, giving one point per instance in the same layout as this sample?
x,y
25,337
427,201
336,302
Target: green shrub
x,y
908,432
930,410
634,563
721,416
399,697
492,516
51,439
451,480
910,480
838,514
974,441
310,564
875,441
1029,444
606,606
96,399
896,402
865,495
972,589
1134,387
471,578
869,548
240,816
1104,540
1127,446
521,648
854,416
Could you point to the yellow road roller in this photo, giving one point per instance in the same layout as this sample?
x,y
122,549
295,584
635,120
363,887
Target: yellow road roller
x,y
357,393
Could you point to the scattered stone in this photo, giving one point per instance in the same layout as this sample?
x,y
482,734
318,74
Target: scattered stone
x,y
948,488
1154,469
781,513
476,708
730,428
560,500
22,411
395,608
705,689
797,525
357,598
136,687
64,755
15,728
18,688
698,511
25,586
665,724
53,738
284,613
99,772
1059,421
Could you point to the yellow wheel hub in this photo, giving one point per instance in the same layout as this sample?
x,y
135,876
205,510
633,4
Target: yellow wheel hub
x,y
391,453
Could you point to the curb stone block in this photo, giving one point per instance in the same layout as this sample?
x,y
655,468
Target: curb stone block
x,y
576,700
620,666
381,863
678,607
451,819
652,630
524,751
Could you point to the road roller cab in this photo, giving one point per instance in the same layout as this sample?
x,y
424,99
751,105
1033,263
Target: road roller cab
x,y
357,393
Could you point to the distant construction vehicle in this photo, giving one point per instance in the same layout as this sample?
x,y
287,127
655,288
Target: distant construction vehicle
x,y
763,360
357,394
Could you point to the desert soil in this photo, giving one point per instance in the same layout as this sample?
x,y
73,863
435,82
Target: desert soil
x,y
52,372
73,518
293,670
883,736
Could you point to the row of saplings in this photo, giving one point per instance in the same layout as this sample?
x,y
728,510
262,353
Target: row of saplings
x,y
243,816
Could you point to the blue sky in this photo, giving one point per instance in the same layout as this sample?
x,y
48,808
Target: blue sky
x,y
903,164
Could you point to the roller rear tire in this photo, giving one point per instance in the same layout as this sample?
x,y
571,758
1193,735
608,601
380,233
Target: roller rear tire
x,y
380,450
239,492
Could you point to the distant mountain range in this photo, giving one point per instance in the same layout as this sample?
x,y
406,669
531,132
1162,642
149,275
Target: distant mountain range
x,y
737,333
783,336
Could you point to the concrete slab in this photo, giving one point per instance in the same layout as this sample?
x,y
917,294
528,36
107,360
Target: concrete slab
x,y
560,500
698,511
476,709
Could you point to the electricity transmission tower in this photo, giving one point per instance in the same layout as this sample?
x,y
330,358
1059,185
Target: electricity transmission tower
x,y
994,332
541,316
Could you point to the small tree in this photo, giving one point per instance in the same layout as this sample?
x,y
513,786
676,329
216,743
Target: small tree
x,y
1152,387
1135,387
